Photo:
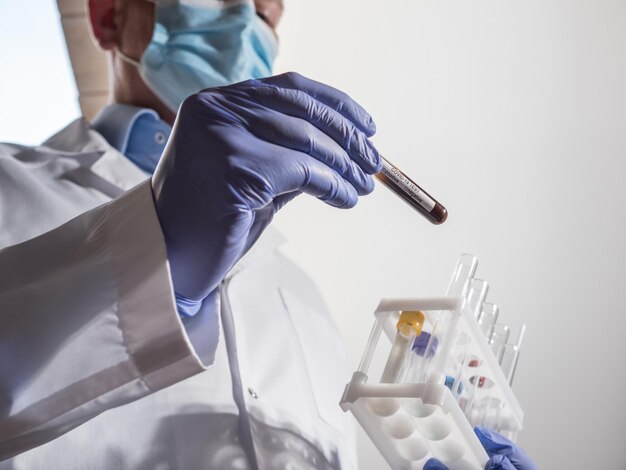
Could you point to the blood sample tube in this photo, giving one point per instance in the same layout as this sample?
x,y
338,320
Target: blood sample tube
x,y
411,193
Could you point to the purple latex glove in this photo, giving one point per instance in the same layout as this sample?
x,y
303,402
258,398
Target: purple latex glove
x,y
239,153
434,464
503,454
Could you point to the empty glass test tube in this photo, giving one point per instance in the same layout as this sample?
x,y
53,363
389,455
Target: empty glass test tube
x,y
510,356
411,193
476,296
488,317
498,338
463,275
409,326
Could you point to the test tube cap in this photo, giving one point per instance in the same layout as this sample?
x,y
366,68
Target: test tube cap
x,y
421,343
413,319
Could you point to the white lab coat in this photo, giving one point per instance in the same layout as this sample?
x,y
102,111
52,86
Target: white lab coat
x,y
96,369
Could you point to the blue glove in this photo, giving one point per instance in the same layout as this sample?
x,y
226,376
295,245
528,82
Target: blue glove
x,y
434,464
239,153
504,455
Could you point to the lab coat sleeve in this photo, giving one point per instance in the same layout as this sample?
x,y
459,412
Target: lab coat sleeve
x,y
88,322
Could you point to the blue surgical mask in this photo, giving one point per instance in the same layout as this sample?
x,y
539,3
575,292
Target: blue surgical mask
x,y
200,44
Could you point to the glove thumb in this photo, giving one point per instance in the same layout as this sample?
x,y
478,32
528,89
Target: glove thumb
x,y
497,445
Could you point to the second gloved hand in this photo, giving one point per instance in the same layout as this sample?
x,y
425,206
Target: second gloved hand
x,y
237,154
503,454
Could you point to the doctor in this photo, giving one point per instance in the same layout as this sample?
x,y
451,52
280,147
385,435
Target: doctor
x,y
152,322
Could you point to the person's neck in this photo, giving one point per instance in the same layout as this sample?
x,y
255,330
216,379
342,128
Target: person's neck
x,y
129,88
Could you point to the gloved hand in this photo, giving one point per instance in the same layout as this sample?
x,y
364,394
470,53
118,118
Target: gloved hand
x,y
504,455
239,153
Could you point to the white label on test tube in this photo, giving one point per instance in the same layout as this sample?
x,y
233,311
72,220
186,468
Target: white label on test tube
x,y
407,185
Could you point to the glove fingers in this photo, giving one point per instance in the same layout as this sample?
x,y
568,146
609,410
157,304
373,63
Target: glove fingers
x,y
299,104
302,136
337,100
304,173
496,444
493,442
499,462
434,464
329,187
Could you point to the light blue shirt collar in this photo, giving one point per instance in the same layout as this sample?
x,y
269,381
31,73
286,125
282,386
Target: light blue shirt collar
x,y
136,132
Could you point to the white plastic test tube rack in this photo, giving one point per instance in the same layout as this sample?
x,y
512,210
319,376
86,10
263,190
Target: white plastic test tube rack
x,y
456,376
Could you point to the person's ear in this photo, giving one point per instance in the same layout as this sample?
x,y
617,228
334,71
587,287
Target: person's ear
x,y
102,16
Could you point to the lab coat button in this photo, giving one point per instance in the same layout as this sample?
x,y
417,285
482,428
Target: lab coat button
x,y
252,393
159,138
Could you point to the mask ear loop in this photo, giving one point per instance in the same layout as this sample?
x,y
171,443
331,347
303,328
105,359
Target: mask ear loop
x,y
126,58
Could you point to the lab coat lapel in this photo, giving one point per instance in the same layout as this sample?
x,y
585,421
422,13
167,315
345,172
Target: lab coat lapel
x,y
110,171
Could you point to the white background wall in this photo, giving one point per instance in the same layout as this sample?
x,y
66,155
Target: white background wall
x,y
37,90
513,114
